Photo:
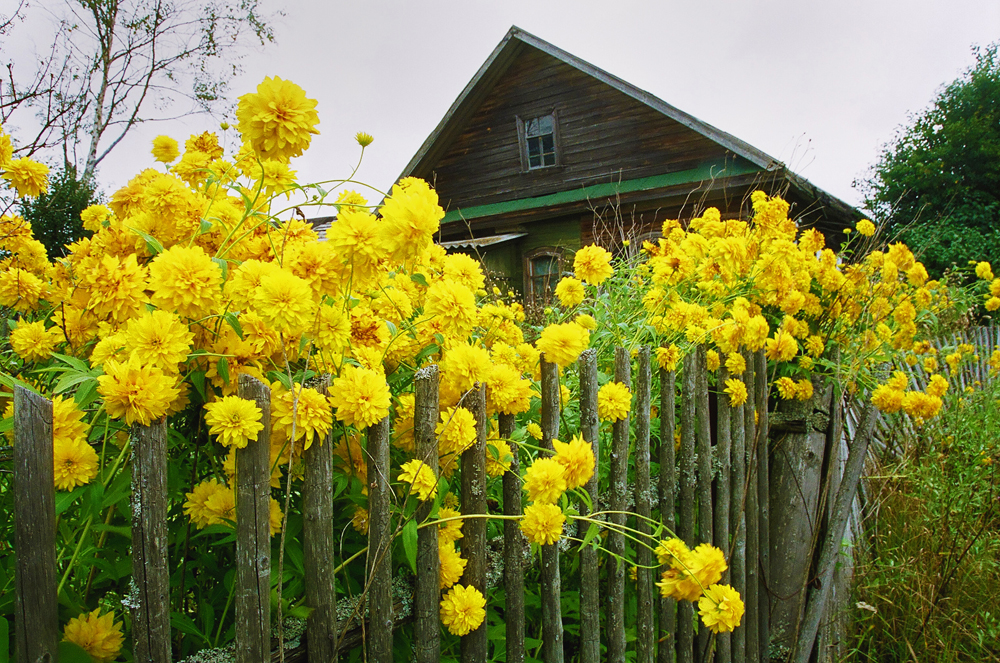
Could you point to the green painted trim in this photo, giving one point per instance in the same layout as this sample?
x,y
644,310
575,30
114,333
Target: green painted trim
x,y
698,174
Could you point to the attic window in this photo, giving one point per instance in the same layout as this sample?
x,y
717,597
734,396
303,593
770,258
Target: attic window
x,y
539,141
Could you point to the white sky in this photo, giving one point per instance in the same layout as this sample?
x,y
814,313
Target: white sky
x,y
818,84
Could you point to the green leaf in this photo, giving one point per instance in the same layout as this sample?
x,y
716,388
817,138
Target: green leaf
x,y
65,500
86,394
234,322
205,226
70,380
410,543
70,652
419,279
223,368
223,265
78,364
198,379
592,532
152,244
7,424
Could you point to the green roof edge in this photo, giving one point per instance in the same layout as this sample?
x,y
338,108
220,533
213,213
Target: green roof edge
x,y
699,174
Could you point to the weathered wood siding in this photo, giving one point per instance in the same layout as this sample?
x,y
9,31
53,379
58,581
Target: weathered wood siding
x,y
605,136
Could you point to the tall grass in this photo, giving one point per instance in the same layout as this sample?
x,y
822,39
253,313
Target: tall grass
x,y
928,584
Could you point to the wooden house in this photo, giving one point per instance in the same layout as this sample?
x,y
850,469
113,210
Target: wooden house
x,y
543,153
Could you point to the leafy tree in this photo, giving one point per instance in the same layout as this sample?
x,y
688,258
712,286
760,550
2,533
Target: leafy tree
x,y
116,63
55,215
938,182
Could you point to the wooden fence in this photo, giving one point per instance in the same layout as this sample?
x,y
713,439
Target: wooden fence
x,y
713,486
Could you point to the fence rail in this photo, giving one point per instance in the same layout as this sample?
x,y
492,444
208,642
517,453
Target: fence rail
x,y
714,485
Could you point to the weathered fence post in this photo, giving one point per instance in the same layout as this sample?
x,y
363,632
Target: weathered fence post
x,y
513,550
428,622
590,606
722,491
380,617
668,499
738,523
552,627
753,445
761,390
645,645
474,645
317,546
704,455
688,481
36,619
616,539
253,533
151,605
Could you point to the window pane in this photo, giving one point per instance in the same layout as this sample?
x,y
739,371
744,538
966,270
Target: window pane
x,y
548,149
544,265
545,125
531,127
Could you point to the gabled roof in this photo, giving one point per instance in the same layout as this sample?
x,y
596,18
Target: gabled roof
x,y
513,45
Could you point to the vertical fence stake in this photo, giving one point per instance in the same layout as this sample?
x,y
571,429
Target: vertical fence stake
x,y
590,605
151,610
763,500
737,523
616,540
552,627
688,480
752,514
317,546
704,454
513,550
36,621
668,504
380,618
645,645
253,533
428,623
722,490
475,644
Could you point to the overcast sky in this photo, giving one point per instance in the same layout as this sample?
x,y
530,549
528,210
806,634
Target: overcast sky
x,y
817,84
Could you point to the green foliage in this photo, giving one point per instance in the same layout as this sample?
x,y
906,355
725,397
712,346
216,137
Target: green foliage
x,y
928,581
55,215
938,181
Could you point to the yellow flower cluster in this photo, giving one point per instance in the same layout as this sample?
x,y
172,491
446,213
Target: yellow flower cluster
x,y
692,576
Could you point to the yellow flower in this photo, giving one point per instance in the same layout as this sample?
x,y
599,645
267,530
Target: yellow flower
x,y
669,550
787,388
311,414
33,342
116,287
137,393
29,177
452,564
75,462
545,480
165,149
668,357
577,457
285,302
721,607
498,457
361,396
570,292
159,339
67,420
865,227
221,506
194,505
456,430
586,321
275,517
562,344
735,364
452,305
278,121
804,389
363,139
508,391
449,531
984,271
463,609
737,391
614,402
360,520
410,217
94,217
421,477
543,523
98,635
235,420
186,280
535,431
464,269
592,264
938,386
782,347
712,360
